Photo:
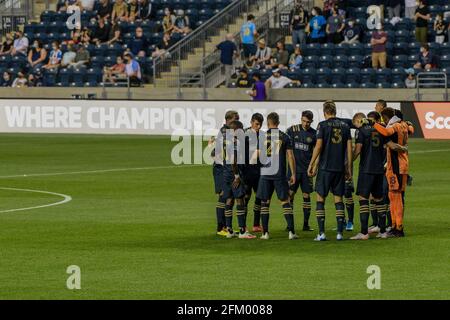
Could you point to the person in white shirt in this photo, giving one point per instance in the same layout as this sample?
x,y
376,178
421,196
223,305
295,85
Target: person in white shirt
x,y
410,8
277,81
20,45
88,4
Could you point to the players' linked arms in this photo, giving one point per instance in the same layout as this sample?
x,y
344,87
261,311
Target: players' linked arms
x,y
396,147
383,130
357,151
237,181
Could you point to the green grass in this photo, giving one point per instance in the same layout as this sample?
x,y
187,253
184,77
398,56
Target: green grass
x,y
149,234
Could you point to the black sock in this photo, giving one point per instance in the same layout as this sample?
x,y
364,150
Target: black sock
x,y
340,216
320,213
388,215
240,212
350,206
257,212
265,217
364,215
220,213
306,211
381,211
373,213
229,216
289,216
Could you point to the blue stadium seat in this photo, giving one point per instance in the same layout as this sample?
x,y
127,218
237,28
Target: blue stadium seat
x,y
308,85
5,61
352,85
413,48
30,27
352,75
41,36
355,49
445,48
341,49
435,48
434,9
100,50
292,85
114,50
398,85
337,85
323,85
355,61
367,49
323,75
360,12
97,62
48,16
65,76
94,75
337,75
308,75
401,36
49,79
61,16
310,62
400,48
79,75
294,74
18,61
312,49
326,61
404,24
327,49
221,4
367,85
383,75
412,59
340,61
383,85
399,61
444,61
367,75
398,74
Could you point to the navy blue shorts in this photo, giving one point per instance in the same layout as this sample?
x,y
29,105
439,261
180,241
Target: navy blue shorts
x,y
330,181
230,192
218,178
249,49
370,184
304,182
266,188
251,183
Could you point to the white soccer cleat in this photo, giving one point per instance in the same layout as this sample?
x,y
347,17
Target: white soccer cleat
x,y
292,236
265,236
246,235
388,229
231,235
339,237
382,235
320,237
374,229
360,236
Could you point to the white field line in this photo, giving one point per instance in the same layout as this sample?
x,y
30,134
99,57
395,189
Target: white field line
x,y
429,151
65,197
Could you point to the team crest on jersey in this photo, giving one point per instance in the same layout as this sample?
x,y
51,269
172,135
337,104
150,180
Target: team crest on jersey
x,y
309,140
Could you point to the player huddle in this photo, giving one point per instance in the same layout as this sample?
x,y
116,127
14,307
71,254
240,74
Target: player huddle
x,y
252,161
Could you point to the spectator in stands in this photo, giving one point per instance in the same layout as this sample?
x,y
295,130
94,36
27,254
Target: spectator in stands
x,y
55,57
335,25
87,5
378,42
440,27
351,32
119,11
168,21
138,45
277,81
258,91
85,36
132,10
296,59
37,55
104,9
427,60
68,56
7,45
410,81
263,55
410,8
20,81
316,26
280,59
299,21
243,80
422,16
248,36
163,46
394,7
182,24
132,69
76,37
20,46
101,34
327,7
110,74
144,10
82,58
228,51
34,80
7,79
114,33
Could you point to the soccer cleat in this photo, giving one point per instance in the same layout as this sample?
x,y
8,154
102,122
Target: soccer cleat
x,y
222,233
360,236
374,229
231,234
292,236
246,235
307,228
320,237
265,236
257,229
392,233
349,226
382,235
339,237
388,229
400,233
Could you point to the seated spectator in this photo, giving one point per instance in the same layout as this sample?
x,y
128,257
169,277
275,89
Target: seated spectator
x,y
68,56
87,5
258,91
351,32
144,10
277,81
335,25
20,46
115,35
85,36
296,59
138,45
132,10
7,45
101,34
427,60
37,55
110,74
440,27
378,42
243,81
120,11
316,26
82,58
7,79
132,69
21,81
181,24
168,20
410,81
280,59
34,81
75,38
263,55
55,57
104,9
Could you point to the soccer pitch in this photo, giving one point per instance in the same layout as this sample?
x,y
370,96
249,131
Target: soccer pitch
x,y
140,228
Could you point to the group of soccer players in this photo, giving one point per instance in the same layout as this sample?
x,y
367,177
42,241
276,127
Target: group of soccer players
x,y
286,161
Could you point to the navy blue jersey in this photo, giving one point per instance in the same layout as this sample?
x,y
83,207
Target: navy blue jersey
x,y
335,135
231,157
282,143
219,139
251,145
303,142
372,152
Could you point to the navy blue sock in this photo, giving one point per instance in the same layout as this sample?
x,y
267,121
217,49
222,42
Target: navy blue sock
x,y
229,216
373,213
364,215
320,213
350,206
340,216
265,217
381,211
306,211
289,216
240,212
220,213
257,212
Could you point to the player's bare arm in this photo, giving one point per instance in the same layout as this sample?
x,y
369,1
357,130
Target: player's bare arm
x,y
291,162
357,151
312,169
349,163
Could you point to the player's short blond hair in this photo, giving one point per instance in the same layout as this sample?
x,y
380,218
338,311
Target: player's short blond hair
x,y
329,107
358,116
230,114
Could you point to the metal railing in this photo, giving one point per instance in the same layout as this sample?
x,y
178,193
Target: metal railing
x,y
432,80
14,13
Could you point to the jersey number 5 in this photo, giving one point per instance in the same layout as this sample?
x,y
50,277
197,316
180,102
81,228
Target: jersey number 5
x,y
337,136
